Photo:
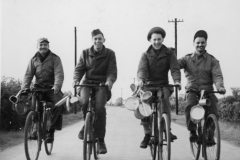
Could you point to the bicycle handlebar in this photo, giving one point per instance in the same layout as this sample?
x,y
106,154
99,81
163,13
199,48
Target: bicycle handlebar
x,y
161,86
220,92
90,85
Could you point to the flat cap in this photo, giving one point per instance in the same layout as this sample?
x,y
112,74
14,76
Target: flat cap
x,y
200,33
158,30
96,32
40,40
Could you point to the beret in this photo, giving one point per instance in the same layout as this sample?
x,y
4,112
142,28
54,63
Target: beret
x,y
158,30
40,40
96,32
200,33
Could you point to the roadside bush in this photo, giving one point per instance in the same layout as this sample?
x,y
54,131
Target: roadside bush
x,y
229,111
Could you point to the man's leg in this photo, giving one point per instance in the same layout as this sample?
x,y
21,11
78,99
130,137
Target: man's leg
x,y
192,100
85,93
147,131
100,125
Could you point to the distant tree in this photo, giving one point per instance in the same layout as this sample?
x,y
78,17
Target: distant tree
x,y
118,102
236,92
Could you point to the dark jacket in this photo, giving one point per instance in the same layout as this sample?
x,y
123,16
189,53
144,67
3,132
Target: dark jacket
x,y
202,73
101,67
48,72
155,68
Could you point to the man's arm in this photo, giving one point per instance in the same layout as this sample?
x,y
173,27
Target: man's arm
x,y
182,63
175,69
79,69
111,70
142,68
31,70
58,74
217,74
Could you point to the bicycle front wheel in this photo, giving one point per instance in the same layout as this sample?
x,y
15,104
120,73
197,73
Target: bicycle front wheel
x,y
211,138
47,120
32,138
196,146
87,141
154,138
164,145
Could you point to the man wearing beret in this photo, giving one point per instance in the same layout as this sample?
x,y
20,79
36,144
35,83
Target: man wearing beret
x,y
96,65
153,68
48,71
201,70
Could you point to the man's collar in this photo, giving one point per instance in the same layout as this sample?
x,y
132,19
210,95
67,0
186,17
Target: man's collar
x,y
164,51
204,54
93,52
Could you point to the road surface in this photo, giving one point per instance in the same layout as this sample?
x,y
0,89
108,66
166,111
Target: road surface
x,y
124,134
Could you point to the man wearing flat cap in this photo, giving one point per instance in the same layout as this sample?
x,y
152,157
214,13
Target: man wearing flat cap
x,y
201,70
96,65
48,71
153,68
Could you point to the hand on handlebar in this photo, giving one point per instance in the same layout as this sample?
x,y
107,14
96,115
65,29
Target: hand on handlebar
x,y
75,83
222,90
55,89
140,83
179,85
109,84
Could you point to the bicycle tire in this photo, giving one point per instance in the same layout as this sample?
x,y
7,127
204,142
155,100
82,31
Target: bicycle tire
x,y
164,145
32,145
154,138
87,141
211,151
46,127
196,146
96,156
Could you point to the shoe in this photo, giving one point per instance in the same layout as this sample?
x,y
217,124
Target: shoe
x,y
193,136
173,137
81,133
145,141
210,141
50,136
34,135
101,147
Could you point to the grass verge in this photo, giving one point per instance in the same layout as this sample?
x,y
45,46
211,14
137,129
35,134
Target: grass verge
x,y
8,139
230,132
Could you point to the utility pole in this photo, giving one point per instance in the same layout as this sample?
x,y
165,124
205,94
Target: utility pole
x,y
176,89
75,63
175,21
121,97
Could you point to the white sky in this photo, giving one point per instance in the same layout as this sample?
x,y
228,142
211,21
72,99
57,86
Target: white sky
x,y
125,24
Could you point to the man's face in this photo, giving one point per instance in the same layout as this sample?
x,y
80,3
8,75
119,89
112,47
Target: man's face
x,y
156,40
43,47
98,41
200,44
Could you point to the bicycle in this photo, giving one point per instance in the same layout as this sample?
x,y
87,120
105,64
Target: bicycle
x,y
89,142
160,126
207,127
37,124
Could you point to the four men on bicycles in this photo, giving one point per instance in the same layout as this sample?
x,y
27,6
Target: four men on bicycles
x,y
48,71
96,65
153,68
201,70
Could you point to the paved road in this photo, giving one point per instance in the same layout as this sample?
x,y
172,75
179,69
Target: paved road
x,y
124,135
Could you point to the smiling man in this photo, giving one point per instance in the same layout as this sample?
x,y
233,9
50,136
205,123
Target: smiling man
x,y
153,68
201,70
48,71
98,65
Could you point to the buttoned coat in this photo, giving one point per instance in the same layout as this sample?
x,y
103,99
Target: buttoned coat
x,y
49,72
155,68
101,67
202,73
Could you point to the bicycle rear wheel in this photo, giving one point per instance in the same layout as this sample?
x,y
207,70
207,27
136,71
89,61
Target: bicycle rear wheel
x,y
211,138
196,146
154,138
87,141
32,138
46,127
164,145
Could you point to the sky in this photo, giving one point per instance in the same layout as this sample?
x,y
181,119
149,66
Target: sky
x,y
125,24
